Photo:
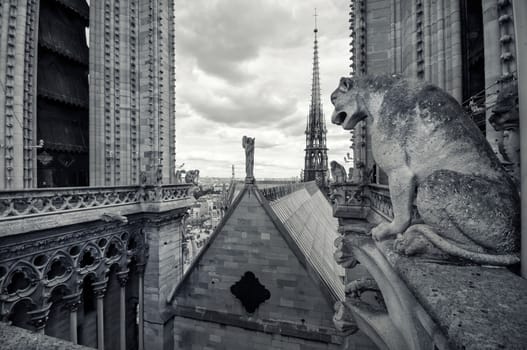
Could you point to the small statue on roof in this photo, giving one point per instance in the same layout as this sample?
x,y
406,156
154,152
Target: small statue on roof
x,y
248,145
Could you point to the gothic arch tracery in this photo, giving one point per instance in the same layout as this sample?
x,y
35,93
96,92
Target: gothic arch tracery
x,y
34,273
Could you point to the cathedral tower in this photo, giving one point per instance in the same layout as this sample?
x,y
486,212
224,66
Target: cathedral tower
x,y
316,159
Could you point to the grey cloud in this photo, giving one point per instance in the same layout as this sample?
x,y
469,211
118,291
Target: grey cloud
x,y
241,107
265,144
294,125
224,34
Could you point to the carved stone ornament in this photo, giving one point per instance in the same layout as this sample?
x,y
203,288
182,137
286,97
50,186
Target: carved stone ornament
x,y
344,255
21,281
45,158
338,172
248,145
192,177
468,203
343,319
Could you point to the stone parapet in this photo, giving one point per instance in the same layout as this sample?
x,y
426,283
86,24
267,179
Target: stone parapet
x,y
39,209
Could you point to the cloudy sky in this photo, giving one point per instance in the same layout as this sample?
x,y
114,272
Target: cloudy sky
x,y
244,67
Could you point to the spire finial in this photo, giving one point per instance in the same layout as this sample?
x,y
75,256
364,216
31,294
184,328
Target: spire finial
x,y
315,15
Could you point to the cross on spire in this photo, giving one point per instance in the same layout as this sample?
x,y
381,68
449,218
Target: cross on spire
x,y
315,15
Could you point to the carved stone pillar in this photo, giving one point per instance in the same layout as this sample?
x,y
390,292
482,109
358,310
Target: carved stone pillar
x,y
72,303
140,327
123,280
39,317
491,38
99,289
505,119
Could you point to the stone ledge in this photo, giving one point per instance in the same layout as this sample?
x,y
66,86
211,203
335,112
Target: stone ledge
x,y
476,307
15,338
324,335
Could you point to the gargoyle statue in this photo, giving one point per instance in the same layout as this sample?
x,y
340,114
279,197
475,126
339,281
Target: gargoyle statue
x,y
422,139
192,177
338,173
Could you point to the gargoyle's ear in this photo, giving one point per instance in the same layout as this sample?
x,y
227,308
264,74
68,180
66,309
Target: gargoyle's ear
x,y
345,84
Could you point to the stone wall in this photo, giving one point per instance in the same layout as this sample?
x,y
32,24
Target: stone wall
x,y
163,270
132,109
379,44
201,335
415,38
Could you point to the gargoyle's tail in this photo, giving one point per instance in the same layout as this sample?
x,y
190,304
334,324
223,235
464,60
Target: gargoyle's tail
x,y
450,248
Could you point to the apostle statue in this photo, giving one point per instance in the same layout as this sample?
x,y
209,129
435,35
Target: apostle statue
x,y
248,145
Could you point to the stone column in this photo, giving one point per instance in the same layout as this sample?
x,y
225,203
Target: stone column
x,y
520,13
123,279
72,303
39,317
99,289
141,325
491,40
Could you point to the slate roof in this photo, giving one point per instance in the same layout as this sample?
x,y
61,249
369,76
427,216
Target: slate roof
x,y
304,218
307,215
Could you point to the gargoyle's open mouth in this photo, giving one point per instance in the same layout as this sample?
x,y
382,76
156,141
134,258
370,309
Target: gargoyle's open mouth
x,y
338,117
348,122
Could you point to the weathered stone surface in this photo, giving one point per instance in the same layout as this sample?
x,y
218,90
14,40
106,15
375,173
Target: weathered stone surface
x,y
476,307
15,338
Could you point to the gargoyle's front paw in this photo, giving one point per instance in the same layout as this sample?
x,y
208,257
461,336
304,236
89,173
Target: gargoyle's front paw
x,y
410,243
383,231
400,244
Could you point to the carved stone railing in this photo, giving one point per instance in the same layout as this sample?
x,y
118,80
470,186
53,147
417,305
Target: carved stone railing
x,y
27,210
41,201
381,203
379,200
274,193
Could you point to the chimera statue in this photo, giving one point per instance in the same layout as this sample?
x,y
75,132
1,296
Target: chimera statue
x,y
433,153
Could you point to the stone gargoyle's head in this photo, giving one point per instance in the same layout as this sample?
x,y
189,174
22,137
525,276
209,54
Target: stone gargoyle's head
x,y
349,104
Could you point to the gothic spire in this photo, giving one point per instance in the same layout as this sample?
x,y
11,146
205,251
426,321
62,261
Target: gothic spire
x,y
316,116
316,159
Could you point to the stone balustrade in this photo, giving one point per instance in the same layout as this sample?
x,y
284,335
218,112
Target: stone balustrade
x,y
379,200
277,192
26,210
